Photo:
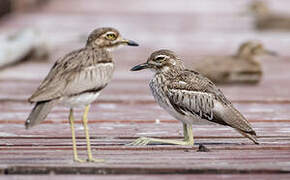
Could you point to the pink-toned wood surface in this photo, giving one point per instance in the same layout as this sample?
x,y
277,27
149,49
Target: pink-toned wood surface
x,y
126,110
154,177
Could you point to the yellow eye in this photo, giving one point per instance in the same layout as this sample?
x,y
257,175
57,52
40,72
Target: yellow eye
x,y
111,36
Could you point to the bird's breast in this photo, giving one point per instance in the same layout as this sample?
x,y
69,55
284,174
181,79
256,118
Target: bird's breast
x,y
88,84
158,90
101,72
80,100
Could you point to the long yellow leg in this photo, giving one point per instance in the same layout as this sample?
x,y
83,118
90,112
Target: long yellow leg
x,y
188,134
71,120
188,139
85,123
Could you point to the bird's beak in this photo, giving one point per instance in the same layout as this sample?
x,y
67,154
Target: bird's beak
x,y
140,67
129,42
271,53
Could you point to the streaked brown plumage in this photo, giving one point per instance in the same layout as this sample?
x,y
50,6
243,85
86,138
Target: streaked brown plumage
x,y
77,79
243,67
267,20
189,97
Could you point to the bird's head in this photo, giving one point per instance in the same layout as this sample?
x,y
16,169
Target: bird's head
x,y
108,38
161,61
253,48
258,8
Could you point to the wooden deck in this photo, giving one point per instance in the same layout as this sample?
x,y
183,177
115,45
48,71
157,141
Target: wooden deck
x,y
126,110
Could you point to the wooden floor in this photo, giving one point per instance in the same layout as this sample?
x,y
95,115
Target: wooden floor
x,y
126,109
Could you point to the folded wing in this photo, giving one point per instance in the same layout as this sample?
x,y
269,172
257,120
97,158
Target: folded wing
x,y
205,101
67,79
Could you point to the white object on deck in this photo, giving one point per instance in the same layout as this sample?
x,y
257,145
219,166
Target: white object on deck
x,y
15,47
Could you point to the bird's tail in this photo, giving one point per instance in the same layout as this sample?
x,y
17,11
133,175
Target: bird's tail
x,y
38,113
251,135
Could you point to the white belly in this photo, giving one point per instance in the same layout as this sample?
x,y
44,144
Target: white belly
x,y
80,100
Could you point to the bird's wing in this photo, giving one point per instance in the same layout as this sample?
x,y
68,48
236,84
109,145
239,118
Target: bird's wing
x,y
205,100
193,81
69,77
192,103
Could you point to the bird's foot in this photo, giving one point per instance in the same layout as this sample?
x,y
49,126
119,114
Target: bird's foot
x,y
93,160
142,141
78,160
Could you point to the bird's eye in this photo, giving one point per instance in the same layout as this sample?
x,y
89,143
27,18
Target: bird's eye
x,y
159,58
111,36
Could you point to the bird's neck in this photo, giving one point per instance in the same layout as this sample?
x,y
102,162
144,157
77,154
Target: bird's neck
x,y
103,54
252,59
170,72
262,12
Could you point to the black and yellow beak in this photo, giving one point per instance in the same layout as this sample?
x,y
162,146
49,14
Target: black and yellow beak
x,y
140,67
130,42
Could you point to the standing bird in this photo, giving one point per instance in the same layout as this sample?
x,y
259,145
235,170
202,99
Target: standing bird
x,y
76,80
267,20
243,67
189,97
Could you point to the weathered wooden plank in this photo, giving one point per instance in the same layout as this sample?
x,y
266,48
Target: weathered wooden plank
x,y
128,111
138,162
12,146
221,167
151,177
140,129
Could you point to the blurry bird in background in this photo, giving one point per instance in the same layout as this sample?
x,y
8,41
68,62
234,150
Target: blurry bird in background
x,y
243,67
267,20
76,80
